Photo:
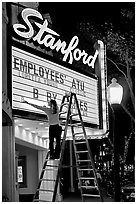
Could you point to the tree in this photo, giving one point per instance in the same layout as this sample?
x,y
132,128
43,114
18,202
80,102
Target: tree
x,y
120,46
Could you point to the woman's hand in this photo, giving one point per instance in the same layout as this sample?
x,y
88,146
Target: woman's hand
x,y
23,101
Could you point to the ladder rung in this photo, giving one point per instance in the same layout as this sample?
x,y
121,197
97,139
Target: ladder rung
x,y
50,169
78,133
90,187
82,166
50,166
63,121
81,151
48,190
73,114
47,169
85,169
88,160
91,195
63,112
47,159
63,104
39,200
63,124
82,142
87,178
75,124
47,180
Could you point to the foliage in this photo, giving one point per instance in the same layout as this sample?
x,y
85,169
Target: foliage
x,y
120,46
117,42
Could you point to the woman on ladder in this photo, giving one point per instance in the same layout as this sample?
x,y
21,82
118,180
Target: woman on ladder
x,y
54,128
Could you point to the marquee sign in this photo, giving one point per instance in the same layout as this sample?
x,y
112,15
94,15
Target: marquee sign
x,y
38,80
50,39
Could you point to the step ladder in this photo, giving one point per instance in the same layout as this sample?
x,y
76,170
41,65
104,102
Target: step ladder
x,y
86,172
45,189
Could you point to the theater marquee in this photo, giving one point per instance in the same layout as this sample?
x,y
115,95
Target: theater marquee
x,y
38,80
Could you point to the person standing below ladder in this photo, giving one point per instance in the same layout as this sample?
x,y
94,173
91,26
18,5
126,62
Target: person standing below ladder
x,y
54,128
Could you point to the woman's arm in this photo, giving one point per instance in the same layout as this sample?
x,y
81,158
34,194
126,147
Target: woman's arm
x,y
35,106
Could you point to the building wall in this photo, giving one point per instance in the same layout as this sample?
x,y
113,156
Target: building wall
x,y
9,187
32,168
8,158
4,45
8,163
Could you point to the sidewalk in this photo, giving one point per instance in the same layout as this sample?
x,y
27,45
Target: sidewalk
x,y
76,197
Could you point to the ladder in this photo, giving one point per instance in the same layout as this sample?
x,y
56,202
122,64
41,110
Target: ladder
x,y
86,172
45,189
88,181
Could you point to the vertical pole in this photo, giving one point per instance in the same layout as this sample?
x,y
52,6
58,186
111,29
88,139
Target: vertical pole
x,y
116,159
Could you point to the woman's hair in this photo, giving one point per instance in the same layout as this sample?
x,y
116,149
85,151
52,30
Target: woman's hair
x,y
54,103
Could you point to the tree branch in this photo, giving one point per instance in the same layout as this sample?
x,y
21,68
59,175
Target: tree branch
x,y
126,147
126,78
117,67
125,109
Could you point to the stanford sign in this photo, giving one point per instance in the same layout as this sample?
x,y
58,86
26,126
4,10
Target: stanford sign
x,y
49,38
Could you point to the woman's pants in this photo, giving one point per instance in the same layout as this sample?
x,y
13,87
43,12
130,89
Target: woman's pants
x,y
54,132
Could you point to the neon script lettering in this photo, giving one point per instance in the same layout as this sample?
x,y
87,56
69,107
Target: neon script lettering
x,y
47,37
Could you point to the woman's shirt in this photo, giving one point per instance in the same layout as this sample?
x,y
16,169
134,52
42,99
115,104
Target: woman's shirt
x,y
53,118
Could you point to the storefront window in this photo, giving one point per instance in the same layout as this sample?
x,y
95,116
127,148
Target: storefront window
x,y
22,172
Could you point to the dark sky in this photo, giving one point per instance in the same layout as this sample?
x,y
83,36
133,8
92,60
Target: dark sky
x,y
66,15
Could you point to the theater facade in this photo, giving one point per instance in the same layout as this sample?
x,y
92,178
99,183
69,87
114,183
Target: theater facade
x,y
31,72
